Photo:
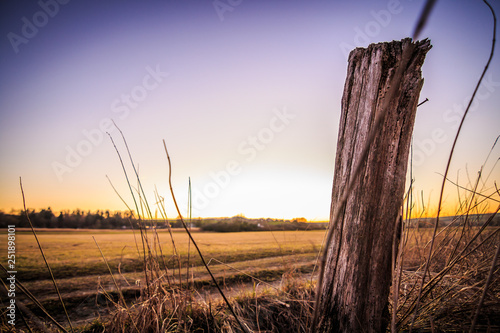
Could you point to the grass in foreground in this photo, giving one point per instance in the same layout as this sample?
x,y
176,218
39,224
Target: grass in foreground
x,y
449,304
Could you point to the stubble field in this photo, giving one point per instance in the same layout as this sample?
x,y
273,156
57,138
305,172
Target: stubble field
x,y
236,259
244,263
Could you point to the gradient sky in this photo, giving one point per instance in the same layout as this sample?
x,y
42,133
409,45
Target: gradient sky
x,y
245,93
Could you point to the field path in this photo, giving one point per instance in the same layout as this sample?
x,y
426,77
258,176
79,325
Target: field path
x,y
85,301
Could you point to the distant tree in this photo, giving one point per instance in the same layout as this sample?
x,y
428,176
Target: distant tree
x,y
8,219
60,220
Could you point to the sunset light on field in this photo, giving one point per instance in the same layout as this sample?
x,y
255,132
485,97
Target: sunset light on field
x,y
246,95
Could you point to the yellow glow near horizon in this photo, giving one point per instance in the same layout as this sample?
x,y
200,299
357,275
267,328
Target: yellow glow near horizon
x,y
261,88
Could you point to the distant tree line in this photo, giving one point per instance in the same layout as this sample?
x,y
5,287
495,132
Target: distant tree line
x,y
241,223
475,220
104,219
76,219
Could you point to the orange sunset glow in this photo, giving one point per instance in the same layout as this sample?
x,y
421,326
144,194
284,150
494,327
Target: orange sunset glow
x,y
247,101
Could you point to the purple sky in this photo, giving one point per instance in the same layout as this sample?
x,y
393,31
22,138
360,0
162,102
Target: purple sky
x,y
245,93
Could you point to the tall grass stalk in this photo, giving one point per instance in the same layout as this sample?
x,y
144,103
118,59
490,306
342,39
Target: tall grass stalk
x,y
189,212
118,289
487,284
426,269
44,258
135,171
142,228
244,273
244,328
35,301
126,175
175,253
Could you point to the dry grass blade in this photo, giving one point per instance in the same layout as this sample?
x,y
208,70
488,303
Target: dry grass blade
x,y
243,273
119,196
465,269
487,284
135,170
451,156
122,299
489,197
125,172
190,209
196,245
288,312
163,213
137,209
424,16
111,274
45,259
35,301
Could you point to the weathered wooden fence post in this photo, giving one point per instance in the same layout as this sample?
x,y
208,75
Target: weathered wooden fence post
x,y
357,270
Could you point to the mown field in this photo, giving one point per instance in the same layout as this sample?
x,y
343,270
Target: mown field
x,y
82,273
240,262
74,253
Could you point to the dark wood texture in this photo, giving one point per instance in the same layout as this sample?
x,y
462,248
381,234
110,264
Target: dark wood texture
x,y
357,273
